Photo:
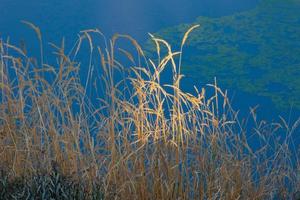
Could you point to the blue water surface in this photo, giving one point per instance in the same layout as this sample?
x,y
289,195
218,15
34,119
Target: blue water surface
x,y
65,18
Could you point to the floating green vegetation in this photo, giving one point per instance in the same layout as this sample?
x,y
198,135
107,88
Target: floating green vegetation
x,y
256,51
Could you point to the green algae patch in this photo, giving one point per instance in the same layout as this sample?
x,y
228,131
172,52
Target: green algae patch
x,y
256,51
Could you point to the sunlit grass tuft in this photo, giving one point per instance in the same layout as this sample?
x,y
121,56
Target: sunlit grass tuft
x,y
121,132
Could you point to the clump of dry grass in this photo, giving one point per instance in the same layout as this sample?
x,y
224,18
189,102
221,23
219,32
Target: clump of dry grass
x,y
125,130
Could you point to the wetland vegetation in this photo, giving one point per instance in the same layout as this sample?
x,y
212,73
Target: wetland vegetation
x,y
112,119
135,138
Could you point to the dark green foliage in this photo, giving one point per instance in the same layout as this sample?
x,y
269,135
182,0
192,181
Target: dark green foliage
x,y
47,186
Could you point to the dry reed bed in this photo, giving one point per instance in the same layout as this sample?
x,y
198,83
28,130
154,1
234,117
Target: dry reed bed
x,y
139,138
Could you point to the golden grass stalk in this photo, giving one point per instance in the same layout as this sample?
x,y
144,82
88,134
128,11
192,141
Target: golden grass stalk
x,y
138,138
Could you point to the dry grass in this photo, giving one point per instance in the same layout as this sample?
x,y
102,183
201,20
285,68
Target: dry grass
x,y
128,132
